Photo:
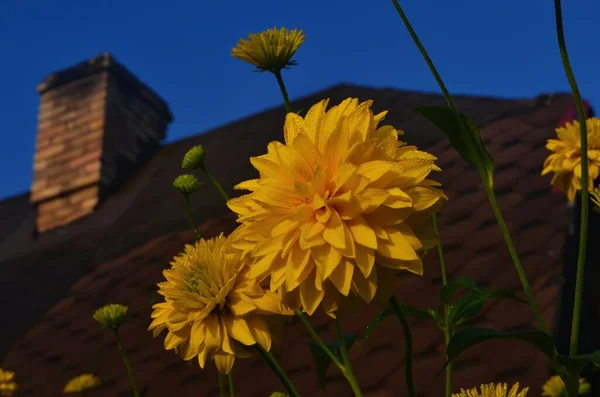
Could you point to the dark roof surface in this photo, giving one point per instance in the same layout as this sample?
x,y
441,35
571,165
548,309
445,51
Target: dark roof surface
x,y
52,283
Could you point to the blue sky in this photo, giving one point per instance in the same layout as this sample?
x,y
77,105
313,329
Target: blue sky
x,y
181,49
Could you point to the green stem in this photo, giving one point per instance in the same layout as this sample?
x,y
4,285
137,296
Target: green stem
x,y
286,99
344,352
573,349
515,258
410,384
188,209
488,186
313,334
231,388
222,386
134,388
447,333
276,368
216,184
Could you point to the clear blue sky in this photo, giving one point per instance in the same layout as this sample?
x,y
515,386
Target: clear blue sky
x,y
181,49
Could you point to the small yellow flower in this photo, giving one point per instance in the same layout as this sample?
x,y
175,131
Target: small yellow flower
x,y
493,390
337,209
565,159
82,383
7,383
111,316
555,387
270,50
212,307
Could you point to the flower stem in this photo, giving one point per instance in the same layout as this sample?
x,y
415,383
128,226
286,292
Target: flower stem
x,y
313,334
216,184
134,388
188,209
344,352
222,386
231,388
573,349
488,186
515,258
286,99
410,384
447,334
276,368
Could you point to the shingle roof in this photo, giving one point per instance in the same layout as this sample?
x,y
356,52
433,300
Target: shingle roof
x,y
54,282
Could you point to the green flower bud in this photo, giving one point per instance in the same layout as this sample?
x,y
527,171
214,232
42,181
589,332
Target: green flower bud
x,y
111,316
584,388
194,158
279,394
186,184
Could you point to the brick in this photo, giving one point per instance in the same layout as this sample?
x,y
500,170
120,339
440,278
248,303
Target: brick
x,y
84,180
83,194
49,152
46,192
89,157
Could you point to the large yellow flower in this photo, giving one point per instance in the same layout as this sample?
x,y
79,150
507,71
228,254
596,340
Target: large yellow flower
x,y
565,160
7,383
270,50
338,207
82,383
493,390
212,307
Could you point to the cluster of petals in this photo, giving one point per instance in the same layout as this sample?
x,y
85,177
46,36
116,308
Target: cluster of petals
x,y
493,390
212,308
337,208
565,160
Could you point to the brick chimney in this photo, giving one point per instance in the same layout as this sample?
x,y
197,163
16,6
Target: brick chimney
x,y
97,124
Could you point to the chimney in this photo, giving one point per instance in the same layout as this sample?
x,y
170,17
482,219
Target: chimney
x,y
97,124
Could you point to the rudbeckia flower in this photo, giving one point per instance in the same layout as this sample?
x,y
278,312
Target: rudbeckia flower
x,y
338,207
82,383
493,390
270,50
7,383
565,160
212,307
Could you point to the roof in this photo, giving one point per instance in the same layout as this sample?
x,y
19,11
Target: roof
x,y
55,281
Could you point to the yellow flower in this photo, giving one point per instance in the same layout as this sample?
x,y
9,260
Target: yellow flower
x,y
270,50
337,209
7,383
555,387
212,307
493,390
565,160
111,316
82,383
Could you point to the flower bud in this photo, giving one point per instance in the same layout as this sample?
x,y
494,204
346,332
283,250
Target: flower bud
x,y
82,383
186,184
111,316
194,158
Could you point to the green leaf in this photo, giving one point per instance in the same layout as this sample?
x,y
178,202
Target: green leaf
x,y
576,364
323,361
464,136
467,307
448,290
408,310
279,394
469,337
